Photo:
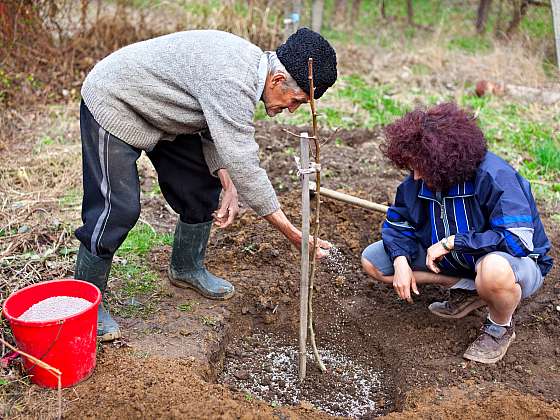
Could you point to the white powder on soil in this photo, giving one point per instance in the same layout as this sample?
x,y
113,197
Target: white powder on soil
x,y
55,308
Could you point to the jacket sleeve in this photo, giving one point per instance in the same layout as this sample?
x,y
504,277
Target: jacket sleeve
x,y
398,232
228,106
510,219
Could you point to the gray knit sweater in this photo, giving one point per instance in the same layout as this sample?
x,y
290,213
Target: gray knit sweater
x,y
184,83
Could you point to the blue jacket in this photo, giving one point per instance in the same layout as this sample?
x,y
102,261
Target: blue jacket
x,y
495,211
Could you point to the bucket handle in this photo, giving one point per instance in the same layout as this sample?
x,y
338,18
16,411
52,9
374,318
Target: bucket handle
x,y
60,323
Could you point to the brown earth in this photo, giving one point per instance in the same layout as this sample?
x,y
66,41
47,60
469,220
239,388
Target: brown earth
x,y
169,362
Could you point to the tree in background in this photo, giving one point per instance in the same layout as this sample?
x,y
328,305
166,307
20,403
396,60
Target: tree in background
x,y
292,17
317,15
482,15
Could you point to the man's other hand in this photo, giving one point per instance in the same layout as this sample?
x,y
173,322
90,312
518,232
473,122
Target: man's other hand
x,y
229,208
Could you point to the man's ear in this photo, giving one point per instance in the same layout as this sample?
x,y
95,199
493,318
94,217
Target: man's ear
x,y
277,79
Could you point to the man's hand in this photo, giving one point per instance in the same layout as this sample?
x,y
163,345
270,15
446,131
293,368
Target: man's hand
x,y
403,279
436,252
229,208
322,247
279,220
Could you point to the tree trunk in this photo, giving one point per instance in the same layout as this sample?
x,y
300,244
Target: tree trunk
x,y
292,16
482,15
382,10
340,12
498,25
317,15
409,12
519,11
556,22
356,5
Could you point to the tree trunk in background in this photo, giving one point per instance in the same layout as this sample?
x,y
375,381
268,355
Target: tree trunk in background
x,y
356,5
317,15
382,10
409,12
340,12
498,25
519,11
556,22
482,15
292,16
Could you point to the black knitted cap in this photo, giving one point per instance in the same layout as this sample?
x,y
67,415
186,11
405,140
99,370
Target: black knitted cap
x,y
294,55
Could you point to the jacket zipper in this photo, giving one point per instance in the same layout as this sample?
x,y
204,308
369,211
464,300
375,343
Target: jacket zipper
x,y
448,233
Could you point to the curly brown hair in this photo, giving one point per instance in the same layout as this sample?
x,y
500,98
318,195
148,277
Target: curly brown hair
x,y
443,143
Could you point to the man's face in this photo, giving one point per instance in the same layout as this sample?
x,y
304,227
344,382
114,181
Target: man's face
x,y
277,96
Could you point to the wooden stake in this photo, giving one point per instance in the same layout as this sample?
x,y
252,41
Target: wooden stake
x,y
304,284
350,199
317,210
45,366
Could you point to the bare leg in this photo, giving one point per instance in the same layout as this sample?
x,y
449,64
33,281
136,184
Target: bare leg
x,y
422,277
495,283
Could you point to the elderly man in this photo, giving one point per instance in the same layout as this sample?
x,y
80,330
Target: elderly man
x,y
187,99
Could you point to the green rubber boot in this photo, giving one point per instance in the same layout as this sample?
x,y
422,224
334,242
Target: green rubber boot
x,y
96,270
187,262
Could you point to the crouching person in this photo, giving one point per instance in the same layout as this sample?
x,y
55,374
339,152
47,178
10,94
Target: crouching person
x,y
463,219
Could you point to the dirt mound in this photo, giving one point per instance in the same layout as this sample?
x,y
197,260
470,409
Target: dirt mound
x,y
478,402
129,385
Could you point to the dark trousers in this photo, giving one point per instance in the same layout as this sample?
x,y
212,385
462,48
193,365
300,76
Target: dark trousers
x,y
111,201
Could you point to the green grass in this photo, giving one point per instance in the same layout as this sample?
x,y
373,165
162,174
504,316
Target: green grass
x,y
188,306
471,44
139,289
72,198
376,100
141,239
260,112
209,321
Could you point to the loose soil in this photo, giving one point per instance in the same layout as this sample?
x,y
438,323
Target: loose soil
x,y
408,363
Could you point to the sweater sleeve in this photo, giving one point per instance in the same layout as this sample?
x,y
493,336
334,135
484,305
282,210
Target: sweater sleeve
x,y
211,155
510,221
398,232
228,105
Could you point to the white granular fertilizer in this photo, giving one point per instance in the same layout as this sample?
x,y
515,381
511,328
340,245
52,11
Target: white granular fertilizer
x,y
55,308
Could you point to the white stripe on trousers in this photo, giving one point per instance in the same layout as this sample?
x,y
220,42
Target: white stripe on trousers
x,y
105,188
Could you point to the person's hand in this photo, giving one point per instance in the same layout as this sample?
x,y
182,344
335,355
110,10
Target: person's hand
x,y
279,220
403,279
435,253
323,247
229,207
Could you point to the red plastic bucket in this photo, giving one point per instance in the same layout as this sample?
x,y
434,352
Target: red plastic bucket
x,y
67,344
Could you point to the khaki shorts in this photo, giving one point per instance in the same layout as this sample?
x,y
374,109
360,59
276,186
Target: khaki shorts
x,y
526,271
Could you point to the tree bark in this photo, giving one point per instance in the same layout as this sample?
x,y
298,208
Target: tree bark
x,y
340,12
356,5
292,16
498,25
409,12
482,15
317,15
519,11
556,22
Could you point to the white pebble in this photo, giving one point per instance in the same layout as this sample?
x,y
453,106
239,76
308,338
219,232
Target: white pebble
x,y
55,308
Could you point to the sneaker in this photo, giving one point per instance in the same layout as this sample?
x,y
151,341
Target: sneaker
x,y
461,303
492,345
